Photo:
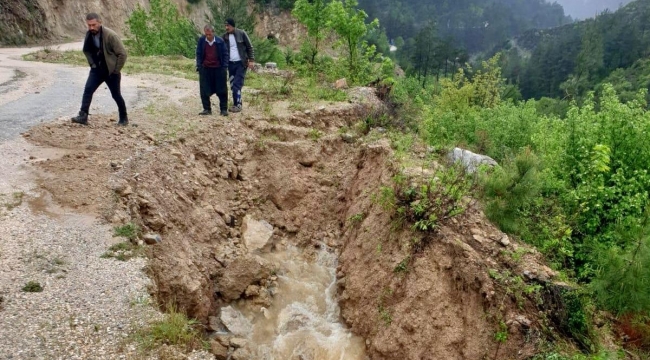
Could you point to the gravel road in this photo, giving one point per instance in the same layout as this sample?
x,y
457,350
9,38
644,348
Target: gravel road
x,y
89,305
33,92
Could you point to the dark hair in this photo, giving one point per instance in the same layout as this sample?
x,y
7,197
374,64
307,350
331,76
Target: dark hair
x,y
92,16
230,22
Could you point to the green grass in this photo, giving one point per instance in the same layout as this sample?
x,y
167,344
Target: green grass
x,y
123,251
33,286
174,329
130,231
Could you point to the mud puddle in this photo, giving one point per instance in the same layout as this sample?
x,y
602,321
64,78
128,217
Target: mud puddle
x,y
303,322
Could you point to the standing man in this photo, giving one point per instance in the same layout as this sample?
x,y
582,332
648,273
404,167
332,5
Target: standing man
x,y
211,63
242,56
106,56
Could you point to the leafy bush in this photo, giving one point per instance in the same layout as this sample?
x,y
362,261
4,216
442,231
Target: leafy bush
x,y
33,286
175,329
161,31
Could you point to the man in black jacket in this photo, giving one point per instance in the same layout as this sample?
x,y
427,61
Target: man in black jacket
x,y
242,57
211,63
106,56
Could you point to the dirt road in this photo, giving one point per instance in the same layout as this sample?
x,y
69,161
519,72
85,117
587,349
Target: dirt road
x,y
33,92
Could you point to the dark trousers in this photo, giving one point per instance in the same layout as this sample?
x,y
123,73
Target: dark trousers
x,y
213,81
96,77
237,72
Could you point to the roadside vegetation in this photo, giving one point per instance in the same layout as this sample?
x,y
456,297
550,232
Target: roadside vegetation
x,y
573,177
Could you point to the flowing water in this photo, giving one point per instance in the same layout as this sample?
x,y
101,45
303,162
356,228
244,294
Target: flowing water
x,y
303,322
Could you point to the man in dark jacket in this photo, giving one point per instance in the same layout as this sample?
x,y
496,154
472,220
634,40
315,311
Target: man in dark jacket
x,y
106,56
211,63
242,56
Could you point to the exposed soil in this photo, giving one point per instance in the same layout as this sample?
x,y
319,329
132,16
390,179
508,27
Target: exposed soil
x,y
192,180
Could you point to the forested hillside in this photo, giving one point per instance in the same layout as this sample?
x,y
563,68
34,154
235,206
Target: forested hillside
x,y
570,60
474,24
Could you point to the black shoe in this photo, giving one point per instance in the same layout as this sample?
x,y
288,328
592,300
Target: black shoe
x,y
82,118
224,112
206,112
124,121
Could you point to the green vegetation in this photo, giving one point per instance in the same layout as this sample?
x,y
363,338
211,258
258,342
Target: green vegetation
x,y
161,31
130,231
13,201
33,286
123,251
174,329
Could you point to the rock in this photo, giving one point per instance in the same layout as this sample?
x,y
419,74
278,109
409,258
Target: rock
x,y
242,354
243,271
238,343
214,324
271,65
470,160
480,239
341,84
256,233
252,290
219,351
505,241
152,239
308,161
150,137
307,112
235,322
348,138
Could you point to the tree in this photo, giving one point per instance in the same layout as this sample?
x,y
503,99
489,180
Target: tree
x,y
314,15
220,10
350,25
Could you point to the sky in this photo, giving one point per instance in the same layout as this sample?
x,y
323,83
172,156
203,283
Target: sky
x,y
582,9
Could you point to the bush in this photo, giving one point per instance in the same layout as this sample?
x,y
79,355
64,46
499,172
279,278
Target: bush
x,y
32,286
161,31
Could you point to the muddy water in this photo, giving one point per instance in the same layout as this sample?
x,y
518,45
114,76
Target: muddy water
x,y
303,323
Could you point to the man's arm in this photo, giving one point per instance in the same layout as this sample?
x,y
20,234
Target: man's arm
x,y
250,52
199,54
120,51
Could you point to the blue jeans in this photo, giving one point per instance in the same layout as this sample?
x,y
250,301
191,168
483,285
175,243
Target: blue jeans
x,y
237,72
96,77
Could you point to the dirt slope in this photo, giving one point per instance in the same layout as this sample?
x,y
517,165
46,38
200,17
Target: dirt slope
x,y
193,180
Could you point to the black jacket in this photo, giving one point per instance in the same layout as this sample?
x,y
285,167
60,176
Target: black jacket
x,y
244,45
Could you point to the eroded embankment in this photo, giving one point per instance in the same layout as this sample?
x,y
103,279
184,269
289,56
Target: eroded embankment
x,y
198,186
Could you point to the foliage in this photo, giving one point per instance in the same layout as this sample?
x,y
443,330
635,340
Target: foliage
x,y
426,203
33,286
130,231
315,16
572,60
349,24
161,31
174,329
220,10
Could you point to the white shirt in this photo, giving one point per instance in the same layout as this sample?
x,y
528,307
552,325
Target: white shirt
x,y
210,42
234,52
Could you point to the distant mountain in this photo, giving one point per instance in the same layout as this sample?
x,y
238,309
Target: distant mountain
x,y
582,9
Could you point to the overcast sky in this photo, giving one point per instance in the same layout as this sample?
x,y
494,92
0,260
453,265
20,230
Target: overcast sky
x,y
581,9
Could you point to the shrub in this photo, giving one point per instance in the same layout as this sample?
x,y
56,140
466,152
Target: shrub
x,y
161,31
32,286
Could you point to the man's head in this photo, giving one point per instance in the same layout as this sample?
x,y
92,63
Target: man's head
x,y
208,30
94,23
230,26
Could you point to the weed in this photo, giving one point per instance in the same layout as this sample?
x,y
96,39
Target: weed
x,y
15,200
130,231
384,315
174,329
123,251
315,134
403,266
32,286
356,218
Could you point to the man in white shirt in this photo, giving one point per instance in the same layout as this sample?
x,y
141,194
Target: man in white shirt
x,y
242,57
